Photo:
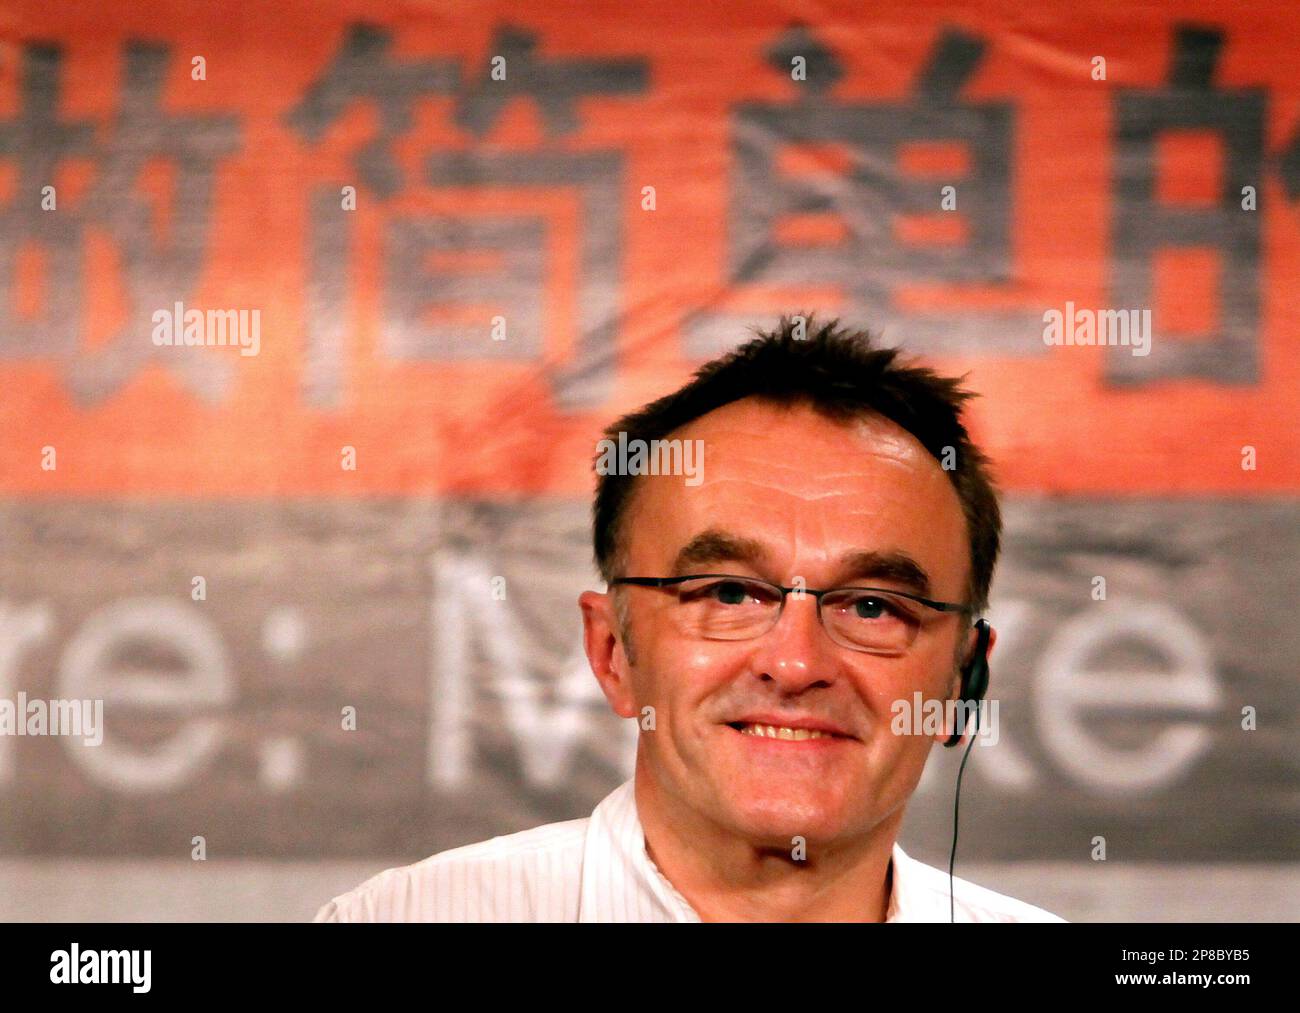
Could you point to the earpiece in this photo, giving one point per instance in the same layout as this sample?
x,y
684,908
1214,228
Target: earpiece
x,y
974,684
974,680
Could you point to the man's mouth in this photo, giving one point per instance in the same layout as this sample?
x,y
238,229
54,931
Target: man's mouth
x,y
785,733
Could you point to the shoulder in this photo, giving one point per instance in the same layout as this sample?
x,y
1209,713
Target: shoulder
x,y
926,891
533,875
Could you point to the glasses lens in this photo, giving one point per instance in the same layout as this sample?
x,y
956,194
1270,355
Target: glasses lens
x,y
727,608
871,620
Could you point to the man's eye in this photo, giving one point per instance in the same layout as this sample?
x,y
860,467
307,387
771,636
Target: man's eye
x,y
874,607
870,608
731,592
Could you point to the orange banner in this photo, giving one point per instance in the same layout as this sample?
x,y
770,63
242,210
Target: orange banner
x,y
466,238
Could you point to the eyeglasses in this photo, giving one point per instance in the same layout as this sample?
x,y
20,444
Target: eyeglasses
x,y
723,606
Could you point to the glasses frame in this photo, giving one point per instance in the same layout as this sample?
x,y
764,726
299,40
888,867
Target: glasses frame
x,y
663,582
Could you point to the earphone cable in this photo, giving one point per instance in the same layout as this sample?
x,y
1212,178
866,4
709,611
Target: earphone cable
x,y
952,857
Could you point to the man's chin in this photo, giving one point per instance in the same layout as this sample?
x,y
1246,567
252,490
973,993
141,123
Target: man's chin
x,y
775,820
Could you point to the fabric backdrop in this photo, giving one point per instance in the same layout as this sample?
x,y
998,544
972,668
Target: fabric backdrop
x,y
454,241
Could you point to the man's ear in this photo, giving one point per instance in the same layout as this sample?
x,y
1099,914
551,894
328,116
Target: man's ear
x,y
603,643
969,640
993,639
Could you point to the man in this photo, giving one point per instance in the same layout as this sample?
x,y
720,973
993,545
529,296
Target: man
x,y
766,619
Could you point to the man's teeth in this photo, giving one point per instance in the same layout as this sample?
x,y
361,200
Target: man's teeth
x,y
781,732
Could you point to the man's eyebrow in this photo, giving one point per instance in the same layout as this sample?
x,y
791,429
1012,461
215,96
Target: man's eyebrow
x,y
895,567
717,546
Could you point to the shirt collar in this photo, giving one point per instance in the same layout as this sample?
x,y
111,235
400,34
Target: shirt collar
x,y
620,882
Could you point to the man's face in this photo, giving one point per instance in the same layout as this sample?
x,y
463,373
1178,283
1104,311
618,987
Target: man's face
x,y
798,496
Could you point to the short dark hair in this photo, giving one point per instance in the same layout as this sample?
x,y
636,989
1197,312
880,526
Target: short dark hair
x,y
842,375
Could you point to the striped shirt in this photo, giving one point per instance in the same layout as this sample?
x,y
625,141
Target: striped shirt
x,y
597,870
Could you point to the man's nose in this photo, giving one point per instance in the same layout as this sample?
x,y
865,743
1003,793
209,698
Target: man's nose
x,y
796,653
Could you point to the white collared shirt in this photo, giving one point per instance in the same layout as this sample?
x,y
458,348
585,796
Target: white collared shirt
x,y
597,870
